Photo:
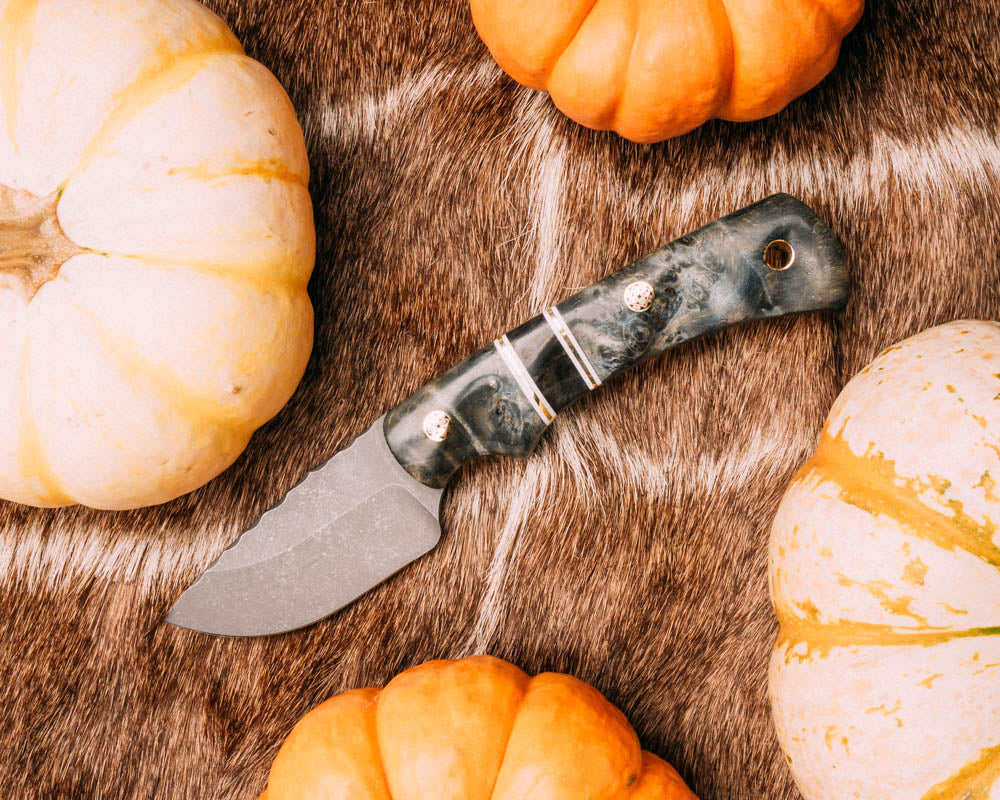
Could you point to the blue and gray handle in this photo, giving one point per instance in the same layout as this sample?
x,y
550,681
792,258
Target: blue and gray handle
x,y
771,259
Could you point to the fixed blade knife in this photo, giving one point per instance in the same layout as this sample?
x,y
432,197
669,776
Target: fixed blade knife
x,y
373,508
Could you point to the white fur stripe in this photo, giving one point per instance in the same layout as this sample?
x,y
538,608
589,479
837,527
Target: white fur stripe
x,y
357,116
946,157
546,213
944,161
530,491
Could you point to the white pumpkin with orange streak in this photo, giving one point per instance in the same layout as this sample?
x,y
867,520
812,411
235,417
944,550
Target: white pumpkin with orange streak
x,y
885,574
156,239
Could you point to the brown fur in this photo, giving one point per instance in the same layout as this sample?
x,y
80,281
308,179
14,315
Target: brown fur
x,y
631,550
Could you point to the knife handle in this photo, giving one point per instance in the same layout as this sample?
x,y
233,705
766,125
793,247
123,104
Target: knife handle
x,y
771,259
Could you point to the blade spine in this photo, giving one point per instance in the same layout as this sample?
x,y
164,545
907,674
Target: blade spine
x,y
308,473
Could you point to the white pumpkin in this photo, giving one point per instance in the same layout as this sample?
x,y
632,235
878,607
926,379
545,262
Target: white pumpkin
x,y
156,239
885,574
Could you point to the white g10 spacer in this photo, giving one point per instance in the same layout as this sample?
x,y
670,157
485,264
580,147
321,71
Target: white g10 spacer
x,y
639,296
572,347
436,426
527,385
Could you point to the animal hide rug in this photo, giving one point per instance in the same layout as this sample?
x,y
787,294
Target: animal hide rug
x,y
631,549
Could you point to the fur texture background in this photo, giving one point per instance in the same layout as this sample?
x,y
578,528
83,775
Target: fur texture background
x,y
631,549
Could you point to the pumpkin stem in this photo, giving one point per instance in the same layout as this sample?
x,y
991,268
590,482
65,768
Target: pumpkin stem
x,y
33,246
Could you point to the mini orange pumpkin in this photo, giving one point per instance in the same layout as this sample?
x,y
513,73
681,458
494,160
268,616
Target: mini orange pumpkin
x,y
474,729
652,69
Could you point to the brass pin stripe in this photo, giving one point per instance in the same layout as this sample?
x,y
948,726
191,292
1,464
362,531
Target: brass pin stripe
x,y
527,385
572,347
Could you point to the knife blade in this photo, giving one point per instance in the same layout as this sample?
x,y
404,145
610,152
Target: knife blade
x,y
373,508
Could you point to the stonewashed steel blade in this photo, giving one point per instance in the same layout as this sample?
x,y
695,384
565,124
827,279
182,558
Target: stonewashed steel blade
x,y
346,528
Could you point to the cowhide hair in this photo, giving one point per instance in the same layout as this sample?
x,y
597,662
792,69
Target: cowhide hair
x,y
631,550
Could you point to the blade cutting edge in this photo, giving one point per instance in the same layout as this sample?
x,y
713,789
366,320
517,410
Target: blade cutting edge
x,y
347,527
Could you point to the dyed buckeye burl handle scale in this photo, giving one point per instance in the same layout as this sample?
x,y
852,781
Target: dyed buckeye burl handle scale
x,y
771,259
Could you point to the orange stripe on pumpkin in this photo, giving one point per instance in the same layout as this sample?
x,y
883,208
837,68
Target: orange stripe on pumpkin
x,y
167,71
15,32
975,780
870,482
31,452
804,640
266,169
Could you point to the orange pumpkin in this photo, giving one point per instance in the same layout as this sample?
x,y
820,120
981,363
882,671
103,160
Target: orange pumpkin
x,y
652,69
474,729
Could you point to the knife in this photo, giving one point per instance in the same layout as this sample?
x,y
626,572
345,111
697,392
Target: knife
x,y
373,508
